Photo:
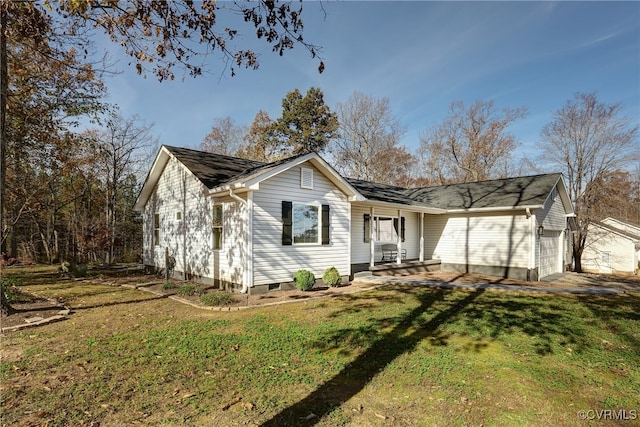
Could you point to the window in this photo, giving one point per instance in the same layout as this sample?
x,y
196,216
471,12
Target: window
x,y
306,178
178,216
216,226
385,229
305,223
156,229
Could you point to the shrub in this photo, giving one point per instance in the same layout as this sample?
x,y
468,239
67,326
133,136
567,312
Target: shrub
x,y
217,298
188,290
80,271
304,280
10,289
167,285
65,267
331,277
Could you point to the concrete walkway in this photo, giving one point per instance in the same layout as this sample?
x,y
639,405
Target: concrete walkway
x,y
380,280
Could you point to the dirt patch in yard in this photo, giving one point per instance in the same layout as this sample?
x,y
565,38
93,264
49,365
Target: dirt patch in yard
x,y
31,312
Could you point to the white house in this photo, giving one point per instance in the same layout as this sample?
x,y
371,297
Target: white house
x,y
249,225
612,246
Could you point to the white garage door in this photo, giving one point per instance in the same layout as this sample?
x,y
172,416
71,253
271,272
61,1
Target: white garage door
x,y
550,253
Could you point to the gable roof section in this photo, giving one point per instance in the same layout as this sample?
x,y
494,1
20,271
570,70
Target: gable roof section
x,y
624,233
220,173
509,193
214,169
621,225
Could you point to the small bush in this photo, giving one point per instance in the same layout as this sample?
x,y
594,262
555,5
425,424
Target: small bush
x,y
65,267
80,271
217,298
331,277
188,290
10,289
168,286
304,280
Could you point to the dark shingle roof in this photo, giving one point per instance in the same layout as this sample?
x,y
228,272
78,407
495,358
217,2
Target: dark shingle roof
x,y
383,192
509,192
214,169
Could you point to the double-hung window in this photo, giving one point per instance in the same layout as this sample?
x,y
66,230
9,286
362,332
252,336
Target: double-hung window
x,y
385,229
156,229
306,222
217,227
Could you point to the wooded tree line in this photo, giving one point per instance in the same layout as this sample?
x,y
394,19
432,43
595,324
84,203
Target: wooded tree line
x,y
68,195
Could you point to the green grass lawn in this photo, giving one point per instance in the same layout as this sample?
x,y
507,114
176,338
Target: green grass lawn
x,y
393,356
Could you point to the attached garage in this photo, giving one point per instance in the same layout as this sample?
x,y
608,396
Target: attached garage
x,y
550,253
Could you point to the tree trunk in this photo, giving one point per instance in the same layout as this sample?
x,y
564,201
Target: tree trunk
x,y
4,84
578,248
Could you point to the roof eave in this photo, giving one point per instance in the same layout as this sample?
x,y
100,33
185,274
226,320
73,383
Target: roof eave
x,y
152,178
495,209
400,206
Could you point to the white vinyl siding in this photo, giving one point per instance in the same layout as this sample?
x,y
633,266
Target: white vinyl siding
x,y
552,215
275,263
190,238
360,250
623,253
178,190
492,239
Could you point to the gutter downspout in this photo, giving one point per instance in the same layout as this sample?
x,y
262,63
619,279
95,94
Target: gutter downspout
x,y
247,273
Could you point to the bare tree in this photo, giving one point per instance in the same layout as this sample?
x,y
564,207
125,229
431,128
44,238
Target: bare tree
x,y
471,144
223,138
121,147
367,146
590,141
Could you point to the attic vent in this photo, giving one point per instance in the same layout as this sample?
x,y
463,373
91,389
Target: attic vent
x,y
306,178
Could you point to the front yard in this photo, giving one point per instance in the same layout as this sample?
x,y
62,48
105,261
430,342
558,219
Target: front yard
x,y
392,356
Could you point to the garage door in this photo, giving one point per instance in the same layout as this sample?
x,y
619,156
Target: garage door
x,y
550,253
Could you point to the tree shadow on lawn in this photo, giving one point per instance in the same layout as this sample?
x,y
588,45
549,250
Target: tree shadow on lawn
x,y
612,309
551,323
403,338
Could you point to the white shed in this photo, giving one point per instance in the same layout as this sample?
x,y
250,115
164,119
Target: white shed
x,y
612,246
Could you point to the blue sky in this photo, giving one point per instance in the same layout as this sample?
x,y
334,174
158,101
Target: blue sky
x,y
420,55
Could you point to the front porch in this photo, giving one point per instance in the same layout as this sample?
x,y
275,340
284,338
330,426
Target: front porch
x,y
396,269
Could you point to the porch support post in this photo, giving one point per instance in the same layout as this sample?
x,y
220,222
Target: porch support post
x,y
372,244
421,236
399,244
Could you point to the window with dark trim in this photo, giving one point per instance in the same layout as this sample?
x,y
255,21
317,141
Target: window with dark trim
x,y
305,224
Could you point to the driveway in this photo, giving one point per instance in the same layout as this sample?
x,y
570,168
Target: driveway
x,y
560,283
